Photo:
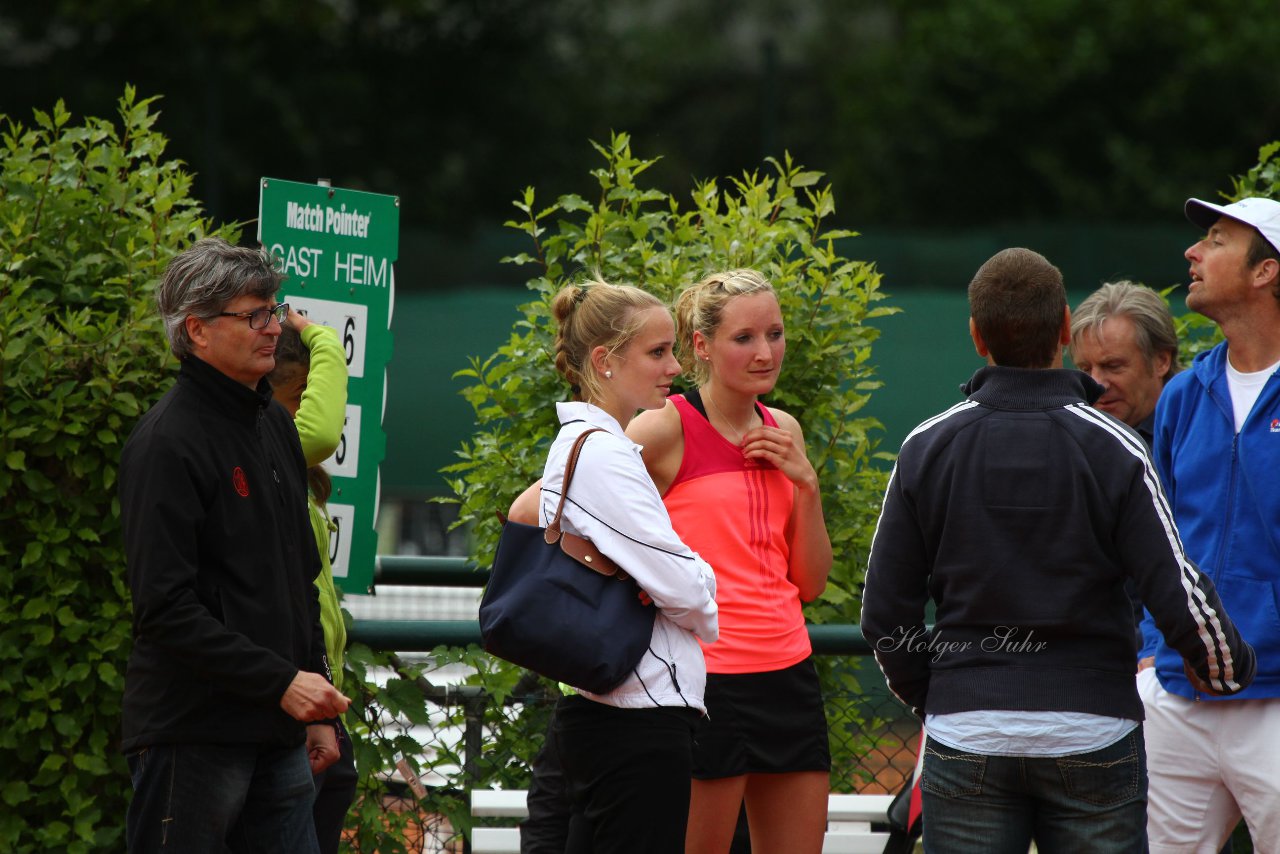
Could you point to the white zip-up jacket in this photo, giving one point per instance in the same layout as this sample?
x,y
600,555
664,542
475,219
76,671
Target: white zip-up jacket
x,y
612,502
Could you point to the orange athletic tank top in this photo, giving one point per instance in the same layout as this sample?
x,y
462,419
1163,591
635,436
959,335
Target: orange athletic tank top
x,y
734,512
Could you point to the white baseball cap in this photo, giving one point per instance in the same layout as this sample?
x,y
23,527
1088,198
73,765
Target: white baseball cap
x,y
1262,214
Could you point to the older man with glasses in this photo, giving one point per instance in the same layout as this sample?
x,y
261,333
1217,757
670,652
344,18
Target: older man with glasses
x,y
228,705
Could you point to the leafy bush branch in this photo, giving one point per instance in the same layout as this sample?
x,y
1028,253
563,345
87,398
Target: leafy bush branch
x,y
90,213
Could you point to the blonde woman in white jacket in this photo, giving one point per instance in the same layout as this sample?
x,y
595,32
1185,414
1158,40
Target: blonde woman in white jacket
x,y
626,755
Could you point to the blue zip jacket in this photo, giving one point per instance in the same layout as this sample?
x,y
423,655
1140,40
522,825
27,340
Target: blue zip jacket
x,y
1225,492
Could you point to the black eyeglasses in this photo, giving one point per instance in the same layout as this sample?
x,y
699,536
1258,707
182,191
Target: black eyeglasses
x,y
260,317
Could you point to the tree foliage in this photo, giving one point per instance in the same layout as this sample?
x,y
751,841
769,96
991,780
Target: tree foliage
x,y
90,214
923,112
1000,110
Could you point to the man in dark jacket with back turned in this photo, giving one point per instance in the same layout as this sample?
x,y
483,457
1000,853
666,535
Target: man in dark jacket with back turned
x,y
227,688
1021,512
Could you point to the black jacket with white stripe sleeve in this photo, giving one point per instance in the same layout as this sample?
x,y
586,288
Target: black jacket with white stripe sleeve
x,y
1021,512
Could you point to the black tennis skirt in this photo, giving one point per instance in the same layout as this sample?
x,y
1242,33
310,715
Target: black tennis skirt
x,y
762,723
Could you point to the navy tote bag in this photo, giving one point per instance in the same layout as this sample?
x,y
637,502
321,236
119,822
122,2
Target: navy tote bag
x,y
558,606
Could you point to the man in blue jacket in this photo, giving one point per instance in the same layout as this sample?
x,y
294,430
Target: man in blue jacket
x,y
227,693
1217,446
1021,512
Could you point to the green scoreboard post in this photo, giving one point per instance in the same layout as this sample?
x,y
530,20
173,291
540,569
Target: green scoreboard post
x,y
338,249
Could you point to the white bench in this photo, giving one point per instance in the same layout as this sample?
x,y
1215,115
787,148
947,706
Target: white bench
x,y
849,819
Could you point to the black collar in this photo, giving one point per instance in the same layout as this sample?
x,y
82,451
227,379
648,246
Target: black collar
x,y
1147,430
1030,388
236,401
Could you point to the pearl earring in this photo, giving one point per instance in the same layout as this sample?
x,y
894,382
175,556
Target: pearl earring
x,y
608,375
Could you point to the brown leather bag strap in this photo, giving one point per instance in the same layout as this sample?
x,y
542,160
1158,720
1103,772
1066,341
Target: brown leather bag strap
x,y
552,533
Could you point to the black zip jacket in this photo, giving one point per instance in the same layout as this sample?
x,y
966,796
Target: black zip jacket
x,y
221,563
1021,512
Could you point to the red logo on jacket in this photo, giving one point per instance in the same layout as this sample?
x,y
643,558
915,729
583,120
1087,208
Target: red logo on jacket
x,y
240,482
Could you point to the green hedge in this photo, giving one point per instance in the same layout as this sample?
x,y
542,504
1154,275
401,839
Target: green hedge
x,y
90,213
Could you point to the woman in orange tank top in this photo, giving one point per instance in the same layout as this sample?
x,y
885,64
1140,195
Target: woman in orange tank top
x,y
741,493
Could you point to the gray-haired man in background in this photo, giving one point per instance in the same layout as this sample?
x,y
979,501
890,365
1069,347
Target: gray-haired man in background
x,y
1123,336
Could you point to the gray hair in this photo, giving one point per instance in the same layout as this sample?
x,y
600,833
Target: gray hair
x,y
202,279
1153,328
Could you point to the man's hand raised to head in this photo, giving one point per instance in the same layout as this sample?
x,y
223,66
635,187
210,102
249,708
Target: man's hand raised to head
x,y
310,697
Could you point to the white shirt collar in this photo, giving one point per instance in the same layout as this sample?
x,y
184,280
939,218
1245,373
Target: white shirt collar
x,y
576,410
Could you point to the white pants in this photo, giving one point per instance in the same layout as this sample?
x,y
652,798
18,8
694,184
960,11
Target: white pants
x,y
1210,762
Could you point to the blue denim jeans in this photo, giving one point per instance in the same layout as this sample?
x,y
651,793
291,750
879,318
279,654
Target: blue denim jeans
x,y
978,804
211,798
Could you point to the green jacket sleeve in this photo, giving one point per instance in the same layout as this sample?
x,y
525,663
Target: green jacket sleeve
x,y
322,413
335,629
320,420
